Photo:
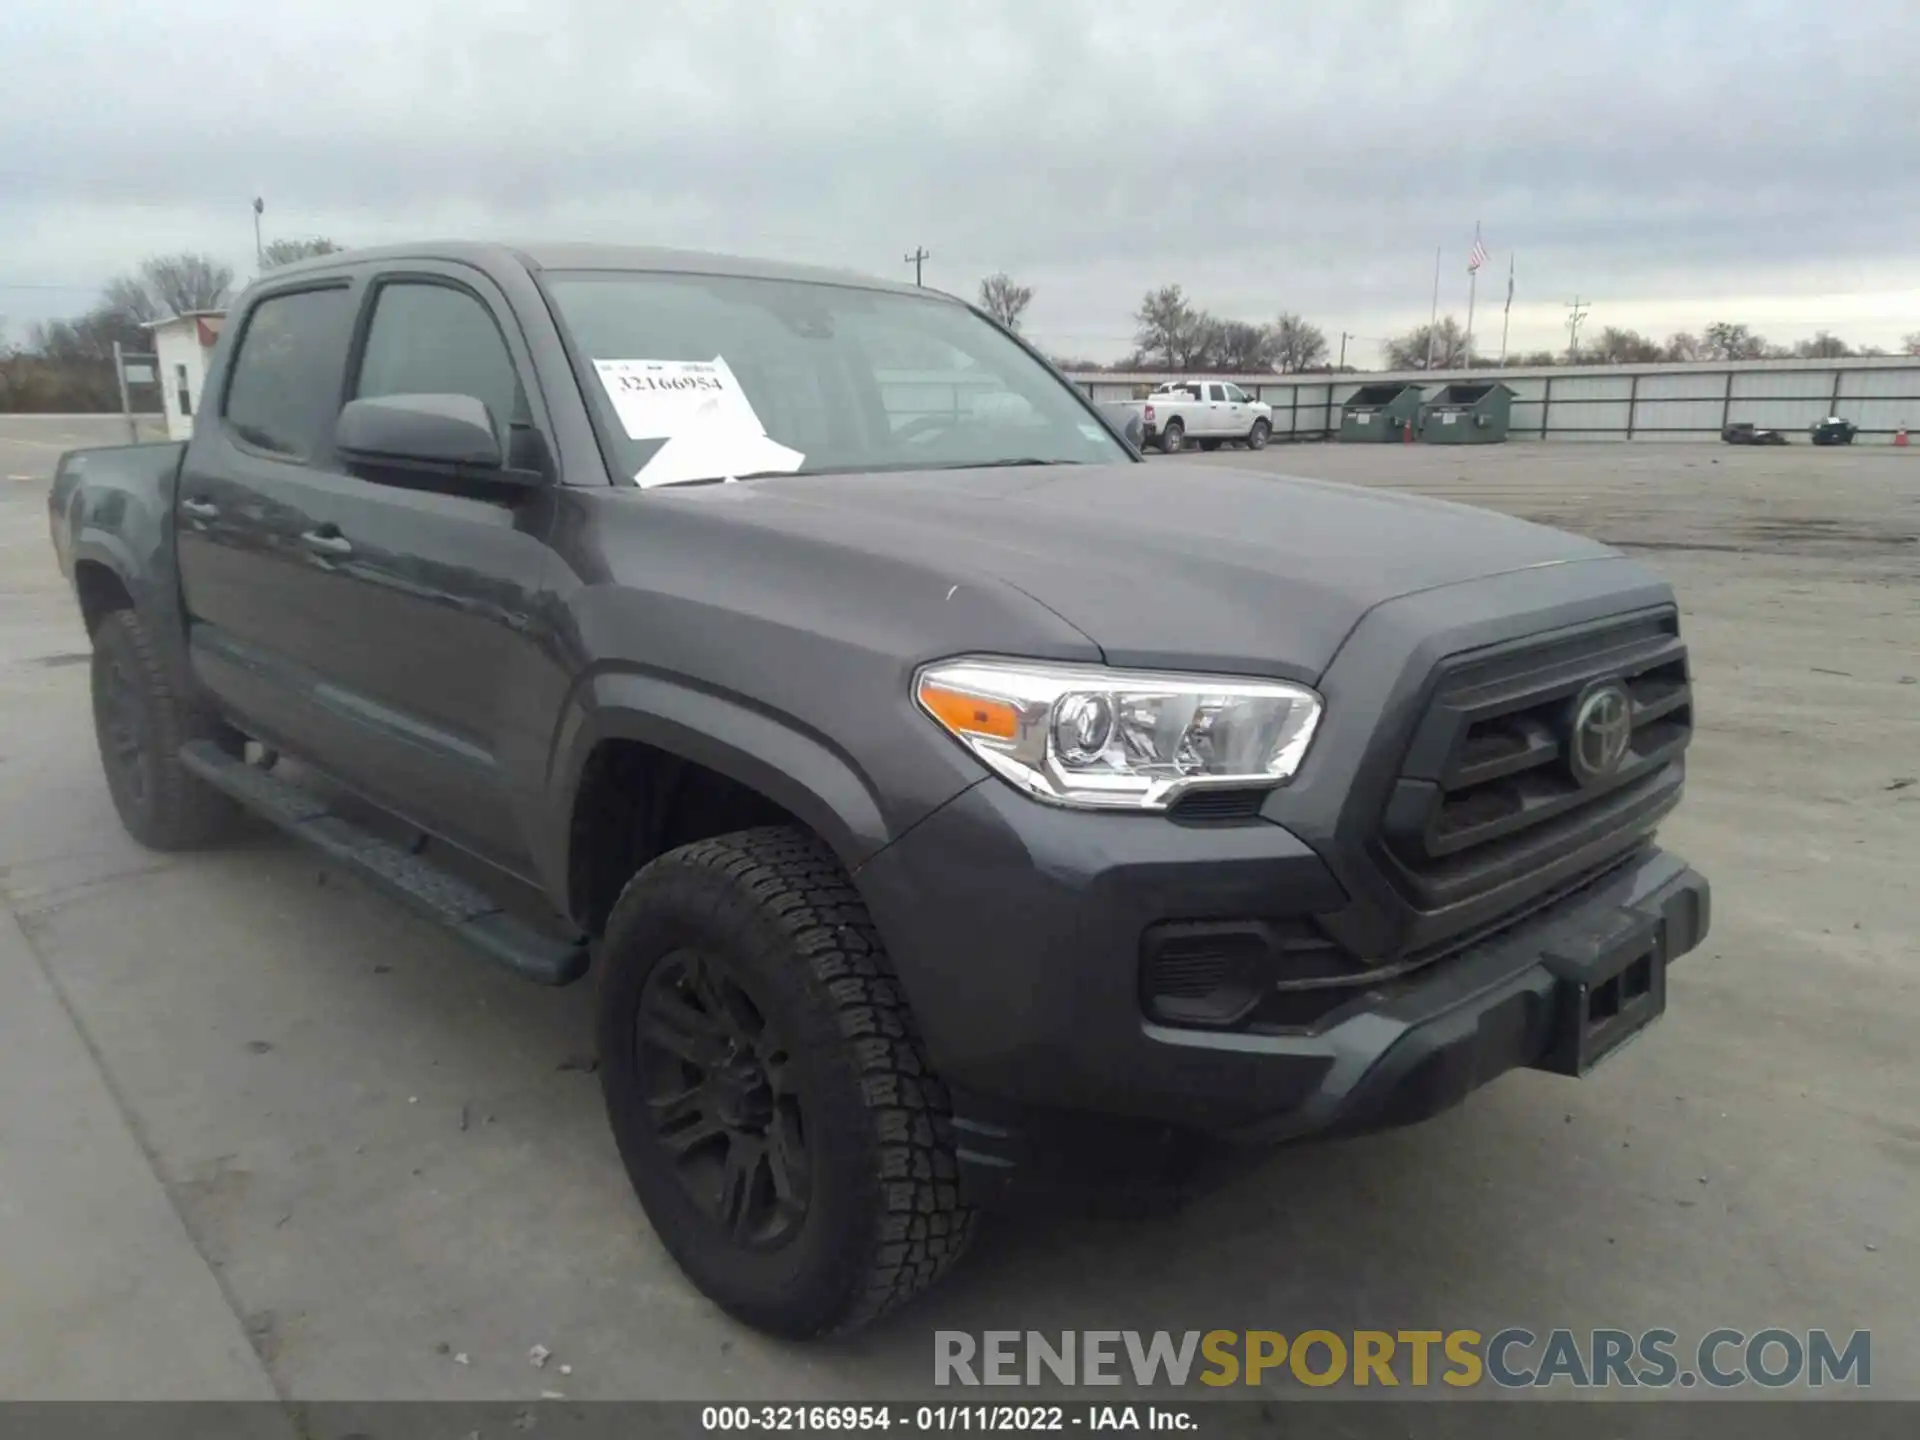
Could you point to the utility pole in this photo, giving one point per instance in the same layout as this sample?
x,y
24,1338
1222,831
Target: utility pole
x,y
918,258
1433,321
1473,283
259,250
1344,337
1506,316
1576,312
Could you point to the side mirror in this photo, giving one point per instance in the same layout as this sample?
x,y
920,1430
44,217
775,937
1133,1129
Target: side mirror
x,y
1136,432
451,432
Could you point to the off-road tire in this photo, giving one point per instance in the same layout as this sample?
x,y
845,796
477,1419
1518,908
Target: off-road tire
x,y
1257,436
884,1218
1172,438
141,723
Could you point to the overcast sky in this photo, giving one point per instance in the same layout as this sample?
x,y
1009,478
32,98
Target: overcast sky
x,y
1672,163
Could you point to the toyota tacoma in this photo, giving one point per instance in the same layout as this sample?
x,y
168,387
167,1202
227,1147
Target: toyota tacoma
x,y
947,802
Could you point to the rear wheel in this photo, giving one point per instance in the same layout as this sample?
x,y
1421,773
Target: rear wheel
x,y
141,724
1257,437
1173,437
767,1087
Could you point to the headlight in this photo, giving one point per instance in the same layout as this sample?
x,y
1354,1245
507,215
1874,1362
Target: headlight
x,y
1085,735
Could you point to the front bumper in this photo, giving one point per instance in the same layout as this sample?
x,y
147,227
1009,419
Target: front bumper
x,y
1016,932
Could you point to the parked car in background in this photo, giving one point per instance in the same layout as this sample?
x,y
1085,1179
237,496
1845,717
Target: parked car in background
x,y
1745,433
1207,413
1834,431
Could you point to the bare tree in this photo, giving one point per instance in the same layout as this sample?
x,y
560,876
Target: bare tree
x,y
129,299
1910,343
1822,347
1409,351
87,338
1297,345
1005,301
1199,347
1165,322
1724,340
1245,349
178,284
285,252
1535,359
1685,347
1615,346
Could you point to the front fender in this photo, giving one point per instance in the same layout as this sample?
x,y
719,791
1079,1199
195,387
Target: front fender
x,y
803,772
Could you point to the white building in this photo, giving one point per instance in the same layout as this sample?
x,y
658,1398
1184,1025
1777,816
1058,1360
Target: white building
x,y
183,347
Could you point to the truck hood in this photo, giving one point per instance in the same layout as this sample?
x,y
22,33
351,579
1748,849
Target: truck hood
x,y
1189,566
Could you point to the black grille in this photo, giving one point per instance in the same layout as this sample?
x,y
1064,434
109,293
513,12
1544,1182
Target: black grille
x,y
1488,795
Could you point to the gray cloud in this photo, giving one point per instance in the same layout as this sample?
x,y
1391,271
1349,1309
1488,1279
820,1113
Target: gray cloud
x,y
1263,156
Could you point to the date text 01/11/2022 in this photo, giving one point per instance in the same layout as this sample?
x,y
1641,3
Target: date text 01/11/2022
x,y
943,1417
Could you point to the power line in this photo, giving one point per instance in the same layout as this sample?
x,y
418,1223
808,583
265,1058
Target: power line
x,y
918,258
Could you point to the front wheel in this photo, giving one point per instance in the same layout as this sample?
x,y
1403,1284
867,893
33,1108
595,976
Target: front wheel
x,y
1257,437
1172,438
767,1087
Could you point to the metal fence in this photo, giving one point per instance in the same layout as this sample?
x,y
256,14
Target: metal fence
x,y
1613,402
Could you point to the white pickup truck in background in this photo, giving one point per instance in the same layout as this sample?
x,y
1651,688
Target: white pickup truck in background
x,y
1207,413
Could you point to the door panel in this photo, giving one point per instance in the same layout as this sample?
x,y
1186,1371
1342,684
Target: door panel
x,y
252,594
432,589
432,623
1214,412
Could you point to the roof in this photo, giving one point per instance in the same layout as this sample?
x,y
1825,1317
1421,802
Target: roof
x,y
636,258
183,315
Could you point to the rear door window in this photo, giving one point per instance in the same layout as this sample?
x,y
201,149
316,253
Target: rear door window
x,y
285,387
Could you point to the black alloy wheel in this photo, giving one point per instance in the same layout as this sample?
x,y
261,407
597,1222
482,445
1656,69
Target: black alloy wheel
x,y
720,1089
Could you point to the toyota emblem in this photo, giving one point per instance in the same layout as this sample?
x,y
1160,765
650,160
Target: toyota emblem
x,y
1602,732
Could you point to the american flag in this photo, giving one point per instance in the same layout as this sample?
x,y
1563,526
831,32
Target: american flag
x,y
1477,257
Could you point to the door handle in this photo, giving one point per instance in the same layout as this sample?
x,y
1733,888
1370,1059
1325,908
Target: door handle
x,y
325,542
200,509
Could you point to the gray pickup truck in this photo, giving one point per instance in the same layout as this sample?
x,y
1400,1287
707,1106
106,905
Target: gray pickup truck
x,y
948,803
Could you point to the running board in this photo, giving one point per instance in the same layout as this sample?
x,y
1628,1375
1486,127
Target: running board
x,y
462,907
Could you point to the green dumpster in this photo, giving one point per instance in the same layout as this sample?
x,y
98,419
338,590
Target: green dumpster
x,y
1476,414
1380,412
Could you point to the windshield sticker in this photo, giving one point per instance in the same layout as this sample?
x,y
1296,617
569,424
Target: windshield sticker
x,y
699,409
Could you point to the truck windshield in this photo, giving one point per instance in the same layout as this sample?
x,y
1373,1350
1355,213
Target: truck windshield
x,y
703,377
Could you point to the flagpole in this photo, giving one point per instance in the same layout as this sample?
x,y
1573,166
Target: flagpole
x,y
1506,316
1433,322
1473,282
